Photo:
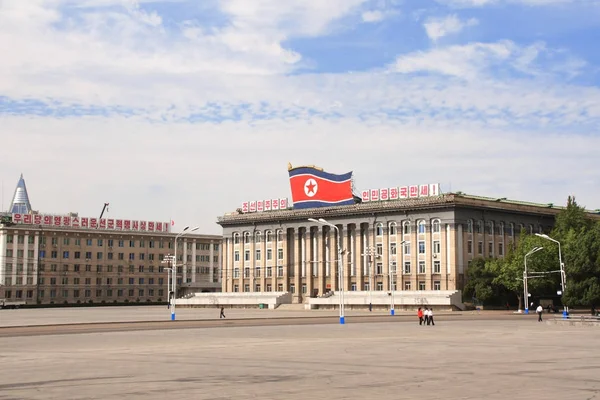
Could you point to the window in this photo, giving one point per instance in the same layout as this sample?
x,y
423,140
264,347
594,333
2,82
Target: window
x,y
100,243
501,229
379,286
216,247
511,229
247,272
470,247
88,242
280,271
141,281
491,249
304,288
236,256
269,254
121,243
10,239
247,255
406,248
421,285
406,228
280,235
490,228
257,272
436,247
280,254
393,250
379,269
480,247
480,226
258,255
65,254
421,227
142,256
379,249
407,286
437,285
292,288
280,287
379,230
236,272
236,288
435,227
132,256
236,238
421,247
257,238
393,267
131,281
269,288
366,286
407,267
500,249
269,272
470,226
530,229
393,229
143,244
246,287
421,267
54,254
437,267
246,237
132,243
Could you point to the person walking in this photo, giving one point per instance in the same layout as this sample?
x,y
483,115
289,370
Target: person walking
x,y
539,310
420,315
222,312
431,317
426,315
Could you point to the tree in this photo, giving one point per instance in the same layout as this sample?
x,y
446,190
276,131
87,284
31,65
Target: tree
x,y
479,283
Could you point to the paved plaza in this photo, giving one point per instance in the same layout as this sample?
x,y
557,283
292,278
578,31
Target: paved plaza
x,y
456,359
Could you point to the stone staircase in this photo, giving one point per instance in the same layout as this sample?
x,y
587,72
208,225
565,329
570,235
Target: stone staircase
x,y
291,307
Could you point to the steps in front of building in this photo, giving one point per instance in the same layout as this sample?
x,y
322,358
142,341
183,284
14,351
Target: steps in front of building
x,y
291,307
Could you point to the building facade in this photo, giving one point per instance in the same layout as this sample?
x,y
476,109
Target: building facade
x,y
405,245
58,259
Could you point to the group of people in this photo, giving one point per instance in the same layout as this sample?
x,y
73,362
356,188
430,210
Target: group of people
x,y
425,316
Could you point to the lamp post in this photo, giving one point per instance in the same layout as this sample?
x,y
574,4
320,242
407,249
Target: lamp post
x,y
392,284
321,221
525,290
174,273
563,278
370,252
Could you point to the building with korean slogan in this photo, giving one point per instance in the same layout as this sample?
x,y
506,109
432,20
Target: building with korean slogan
x,y
413,239
58,259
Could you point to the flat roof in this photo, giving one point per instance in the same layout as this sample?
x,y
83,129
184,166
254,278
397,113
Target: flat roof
x,y
447,200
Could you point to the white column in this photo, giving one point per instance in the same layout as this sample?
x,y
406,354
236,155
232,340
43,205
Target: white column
x,y
194,244
461,267
211,264
3,234
447,249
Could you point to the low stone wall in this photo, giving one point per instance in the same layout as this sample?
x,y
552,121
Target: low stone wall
x,y
235,300
381,300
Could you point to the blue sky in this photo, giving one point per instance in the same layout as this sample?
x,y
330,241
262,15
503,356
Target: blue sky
x,y
184,109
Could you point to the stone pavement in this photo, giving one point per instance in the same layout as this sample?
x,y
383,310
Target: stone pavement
x,y
514,359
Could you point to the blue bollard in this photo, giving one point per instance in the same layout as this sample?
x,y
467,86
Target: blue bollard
x,y
391,312
342,320
565,314
527,311
173,317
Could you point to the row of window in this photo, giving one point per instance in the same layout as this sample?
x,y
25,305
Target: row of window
x,y
421,285
490,228
109,256
490,248
110,242
98,269
422,269
65,293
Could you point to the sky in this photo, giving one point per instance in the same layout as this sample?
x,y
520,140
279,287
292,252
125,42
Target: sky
x,y
183,109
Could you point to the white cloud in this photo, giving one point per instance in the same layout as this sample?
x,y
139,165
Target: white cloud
x,y
437,28
481,3
373,16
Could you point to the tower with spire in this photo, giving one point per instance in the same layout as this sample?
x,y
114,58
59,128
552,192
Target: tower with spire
x,y
20,202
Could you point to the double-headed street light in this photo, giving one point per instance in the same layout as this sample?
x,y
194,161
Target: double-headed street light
x,y
563,278
321,221
525,290
174,274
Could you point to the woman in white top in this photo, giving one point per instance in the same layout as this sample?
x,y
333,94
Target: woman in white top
x,y
431,316
539,310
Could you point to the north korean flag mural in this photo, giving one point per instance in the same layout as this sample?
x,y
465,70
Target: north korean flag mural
x,y
312,187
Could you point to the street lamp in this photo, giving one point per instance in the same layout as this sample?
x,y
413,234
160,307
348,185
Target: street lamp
x,y
525,290
321,221
370,251
174,273
392,282
563,278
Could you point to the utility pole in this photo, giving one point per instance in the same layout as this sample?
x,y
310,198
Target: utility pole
x,y
169,260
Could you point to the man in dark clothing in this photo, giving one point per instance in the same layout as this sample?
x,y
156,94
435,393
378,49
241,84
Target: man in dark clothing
x,y
222,312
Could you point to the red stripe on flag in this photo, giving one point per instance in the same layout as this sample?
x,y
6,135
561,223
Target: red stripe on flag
x,y
324,190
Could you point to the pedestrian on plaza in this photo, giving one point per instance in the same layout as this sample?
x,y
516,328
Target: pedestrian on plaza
x,y
420,315
431,317
222,312
539,310
426,315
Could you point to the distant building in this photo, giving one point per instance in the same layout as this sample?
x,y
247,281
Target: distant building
x,y
58,259
410,239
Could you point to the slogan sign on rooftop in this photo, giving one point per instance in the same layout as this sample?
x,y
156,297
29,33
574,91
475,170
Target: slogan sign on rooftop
x,y
67,221
401,192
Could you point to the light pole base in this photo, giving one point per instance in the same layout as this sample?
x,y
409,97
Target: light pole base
x,y
565,314
342,320
527,311
172,316
392,312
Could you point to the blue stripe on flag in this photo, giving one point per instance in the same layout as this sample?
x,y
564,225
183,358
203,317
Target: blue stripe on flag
x,y
321,174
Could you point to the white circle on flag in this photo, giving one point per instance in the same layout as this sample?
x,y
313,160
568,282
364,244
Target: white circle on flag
x,y
310,187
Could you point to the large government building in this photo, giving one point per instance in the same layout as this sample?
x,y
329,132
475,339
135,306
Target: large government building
x,y
58,259
410,238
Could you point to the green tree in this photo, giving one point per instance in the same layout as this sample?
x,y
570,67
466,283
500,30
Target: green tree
x,y
479,283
